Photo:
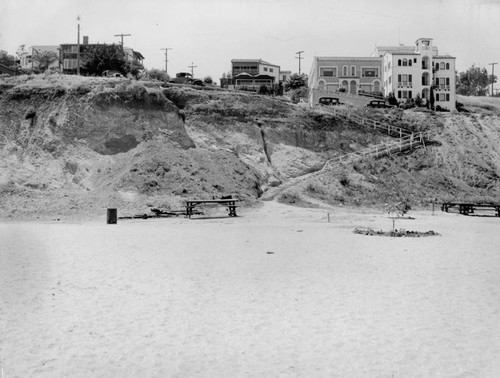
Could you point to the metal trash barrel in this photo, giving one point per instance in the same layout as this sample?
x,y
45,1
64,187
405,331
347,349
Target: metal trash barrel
x,y
112,216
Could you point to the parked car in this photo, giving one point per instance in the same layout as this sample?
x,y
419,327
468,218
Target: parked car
x,y
329,101
378,104
110,73
186,78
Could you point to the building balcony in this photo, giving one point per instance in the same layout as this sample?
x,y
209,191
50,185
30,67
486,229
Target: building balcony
x,y
442,87
405,85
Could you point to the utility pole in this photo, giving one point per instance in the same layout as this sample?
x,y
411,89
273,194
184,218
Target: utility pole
x,y
191,66
122,35
166,57
78,48
492,76
299,58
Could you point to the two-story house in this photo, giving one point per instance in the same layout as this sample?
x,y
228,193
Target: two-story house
x,y
251,74
352,75
68,55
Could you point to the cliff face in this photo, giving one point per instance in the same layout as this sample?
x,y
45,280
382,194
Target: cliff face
x,y
78,145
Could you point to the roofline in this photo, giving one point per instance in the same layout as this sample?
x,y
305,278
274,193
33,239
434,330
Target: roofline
x,y
362,58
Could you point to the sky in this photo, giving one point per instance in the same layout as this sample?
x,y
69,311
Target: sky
x,y
207,34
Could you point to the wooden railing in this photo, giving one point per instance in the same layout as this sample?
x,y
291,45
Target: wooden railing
x,y
407,140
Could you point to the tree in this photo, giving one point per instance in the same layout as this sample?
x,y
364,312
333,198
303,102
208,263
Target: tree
x,y
208,80
7,60
474,82
44,59
418,100
98,58
296,81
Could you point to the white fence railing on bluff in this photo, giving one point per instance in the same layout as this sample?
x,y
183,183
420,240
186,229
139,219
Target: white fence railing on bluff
x,y
407,141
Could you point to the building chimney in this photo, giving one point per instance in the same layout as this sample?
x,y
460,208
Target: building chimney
x,y
85,39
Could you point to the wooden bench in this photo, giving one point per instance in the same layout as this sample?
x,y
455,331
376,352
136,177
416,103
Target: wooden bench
x,y
229,203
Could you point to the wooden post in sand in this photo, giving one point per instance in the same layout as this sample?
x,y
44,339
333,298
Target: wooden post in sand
x,y
112,216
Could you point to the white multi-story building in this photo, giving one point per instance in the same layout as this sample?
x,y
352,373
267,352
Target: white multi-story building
x,y
411,72
404,71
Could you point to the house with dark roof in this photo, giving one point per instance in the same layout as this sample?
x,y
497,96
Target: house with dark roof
x,y
251,74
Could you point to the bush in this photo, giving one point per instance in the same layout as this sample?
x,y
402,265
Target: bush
x,y
156,75
262,90
298,94
344,179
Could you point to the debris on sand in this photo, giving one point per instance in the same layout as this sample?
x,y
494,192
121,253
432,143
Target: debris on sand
x,y
396,233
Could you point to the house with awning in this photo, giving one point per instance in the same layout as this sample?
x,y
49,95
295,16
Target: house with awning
x,y
251,74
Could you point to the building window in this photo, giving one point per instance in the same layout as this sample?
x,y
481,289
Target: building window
x,y
409,62
328,71
399,62
69,64
447,66
405,62
442,66
271,70
344,71
369,72
70,49
265,69
353,71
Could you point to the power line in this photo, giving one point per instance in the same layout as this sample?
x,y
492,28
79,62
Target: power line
x,y
492,76
166,57
299,58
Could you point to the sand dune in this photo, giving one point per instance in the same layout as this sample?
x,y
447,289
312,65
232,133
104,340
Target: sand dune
x,y
277,292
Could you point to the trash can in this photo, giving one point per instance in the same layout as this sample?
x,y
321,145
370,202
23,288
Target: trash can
x,y
112,216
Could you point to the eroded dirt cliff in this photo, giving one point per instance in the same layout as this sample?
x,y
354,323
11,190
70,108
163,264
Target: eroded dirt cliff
x,y
74,145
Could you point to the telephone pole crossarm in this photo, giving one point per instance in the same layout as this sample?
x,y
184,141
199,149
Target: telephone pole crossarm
x,y
192,66
122,35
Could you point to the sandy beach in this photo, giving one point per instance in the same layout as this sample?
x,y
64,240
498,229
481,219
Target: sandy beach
x,y
276,292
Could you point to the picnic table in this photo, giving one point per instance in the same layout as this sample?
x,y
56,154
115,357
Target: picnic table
x,y
468,208
229,203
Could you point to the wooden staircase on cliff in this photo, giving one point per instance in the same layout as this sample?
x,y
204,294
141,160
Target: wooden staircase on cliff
x,y
407,141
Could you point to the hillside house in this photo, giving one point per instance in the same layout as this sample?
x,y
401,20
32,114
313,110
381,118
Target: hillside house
x,y
26,58
68,55
405,71
409,72
251,74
